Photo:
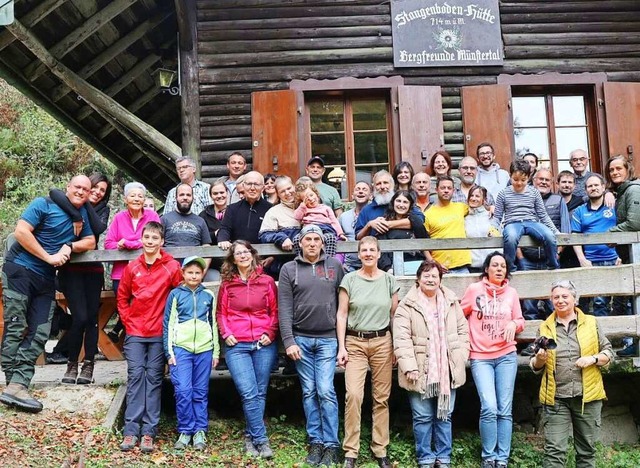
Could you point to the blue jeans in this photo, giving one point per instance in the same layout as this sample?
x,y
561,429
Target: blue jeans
x,y
427,428
190,378
600,303
316,370
530,309
495,380
511,237
250,367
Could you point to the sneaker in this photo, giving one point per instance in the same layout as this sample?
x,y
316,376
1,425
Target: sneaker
x,y
249,448
330,457
501,464
264,450
315,454
182,442
528,351
488,464
199,440
129,443
146,444
628,351
55,358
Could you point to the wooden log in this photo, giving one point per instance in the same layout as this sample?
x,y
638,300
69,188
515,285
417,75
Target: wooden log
x,y
451,101
226,143
296,57
225,109
30,19
309,22
190,109
219,131
569,51
76,37
573,65
272,45
112,51
453,126
570,38
216,98
219,158
292,33
139,103
94,96
454,149
630,6
225,119
284,11
558,27
563,17
216,4
624,76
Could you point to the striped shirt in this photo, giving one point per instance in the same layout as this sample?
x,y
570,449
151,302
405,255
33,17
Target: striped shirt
x,y
513,207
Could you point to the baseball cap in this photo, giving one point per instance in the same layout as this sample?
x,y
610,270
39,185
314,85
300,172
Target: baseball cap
x,y
311,229
194,259
316,159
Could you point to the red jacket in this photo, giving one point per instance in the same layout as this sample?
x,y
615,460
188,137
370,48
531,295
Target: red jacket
x,y
142,294
248,309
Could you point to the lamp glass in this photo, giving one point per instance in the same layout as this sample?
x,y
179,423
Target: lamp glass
x,y
165,77
336,175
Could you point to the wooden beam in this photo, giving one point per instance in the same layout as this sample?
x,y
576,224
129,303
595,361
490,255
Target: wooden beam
x,y
32,18
35,69
190,92
93,95
152,92
111,52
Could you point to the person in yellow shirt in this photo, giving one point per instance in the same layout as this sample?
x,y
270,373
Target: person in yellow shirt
x,y
445,220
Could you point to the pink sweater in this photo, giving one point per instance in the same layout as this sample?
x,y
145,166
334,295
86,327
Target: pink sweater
x,y
320,214
122,228
488,309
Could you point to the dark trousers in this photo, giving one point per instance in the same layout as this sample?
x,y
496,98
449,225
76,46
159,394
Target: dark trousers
x,y
145,369
29,300
530,310
82,290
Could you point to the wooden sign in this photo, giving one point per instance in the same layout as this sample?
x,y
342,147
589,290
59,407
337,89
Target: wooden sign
x,y
449,33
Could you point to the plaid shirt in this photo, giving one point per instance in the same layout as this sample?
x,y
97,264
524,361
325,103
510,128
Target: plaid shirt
x,y
201,198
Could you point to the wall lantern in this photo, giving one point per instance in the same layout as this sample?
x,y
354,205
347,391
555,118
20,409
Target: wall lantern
x,y
336,176
164,80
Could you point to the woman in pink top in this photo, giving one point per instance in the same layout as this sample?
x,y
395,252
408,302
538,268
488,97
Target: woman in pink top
x,y
125,233
492,308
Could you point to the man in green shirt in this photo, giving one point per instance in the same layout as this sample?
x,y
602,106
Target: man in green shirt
x,y
329,195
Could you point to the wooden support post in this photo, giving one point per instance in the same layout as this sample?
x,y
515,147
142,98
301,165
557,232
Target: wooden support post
x,y
190,93
94,96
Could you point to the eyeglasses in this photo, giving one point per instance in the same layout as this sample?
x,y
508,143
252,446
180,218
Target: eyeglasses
x,y
485,153
182,168
469,168
253,184
242,253
578,159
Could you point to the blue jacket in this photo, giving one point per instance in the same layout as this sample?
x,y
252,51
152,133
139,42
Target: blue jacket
x,y
189,322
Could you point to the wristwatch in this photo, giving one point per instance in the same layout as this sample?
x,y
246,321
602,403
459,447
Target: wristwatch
x,y
70,245
595,360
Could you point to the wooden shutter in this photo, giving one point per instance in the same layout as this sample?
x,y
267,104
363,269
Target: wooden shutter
x,y
274,132
421,123
622,110
487,116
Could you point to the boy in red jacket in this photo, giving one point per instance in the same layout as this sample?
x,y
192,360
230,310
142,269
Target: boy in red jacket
x,y
143,291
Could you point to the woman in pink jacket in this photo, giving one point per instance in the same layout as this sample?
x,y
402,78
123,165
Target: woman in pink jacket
x,y
247,315
492,308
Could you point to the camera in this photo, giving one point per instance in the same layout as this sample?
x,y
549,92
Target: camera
x,y
544,342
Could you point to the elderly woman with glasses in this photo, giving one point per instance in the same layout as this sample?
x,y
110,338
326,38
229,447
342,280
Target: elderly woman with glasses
x,y
247,315
571,349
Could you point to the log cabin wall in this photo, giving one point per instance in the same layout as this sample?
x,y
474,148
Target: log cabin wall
x,y
257,45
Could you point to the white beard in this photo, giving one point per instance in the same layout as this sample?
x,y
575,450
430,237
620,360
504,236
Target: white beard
x,y
383,198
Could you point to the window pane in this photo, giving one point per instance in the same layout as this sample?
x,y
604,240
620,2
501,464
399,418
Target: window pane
x,y
330,146
569,139
532,140
327,116
529,112
569,111
369,115
366,172
371,147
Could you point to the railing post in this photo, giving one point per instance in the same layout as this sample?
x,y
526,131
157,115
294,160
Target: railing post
x,y
398,263
634,258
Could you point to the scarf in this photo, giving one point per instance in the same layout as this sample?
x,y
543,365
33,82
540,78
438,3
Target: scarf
x,y
437,369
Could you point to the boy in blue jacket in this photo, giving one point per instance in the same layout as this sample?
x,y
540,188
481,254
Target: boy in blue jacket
x,y
190,336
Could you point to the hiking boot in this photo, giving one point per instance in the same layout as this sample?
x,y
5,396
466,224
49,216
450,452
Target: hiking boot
x,y
146,444
528,351
129,443
628,351
55,357
349,462
384,462
488,464
249,448
199,440
86,374
315,454
182,442
17,395
72,373
264,450
330,457
501,464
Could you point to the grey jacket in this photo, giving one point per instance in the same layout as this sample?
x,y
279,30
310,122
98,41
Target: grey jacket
x,y
628,206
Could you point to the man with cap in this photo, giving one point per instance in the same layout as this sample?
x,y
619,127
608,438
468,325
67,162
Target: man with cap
x,y
307,308
329,195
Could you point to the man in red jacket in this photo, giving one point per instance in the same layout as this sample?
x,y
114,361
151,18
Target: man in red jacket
x,y
142,293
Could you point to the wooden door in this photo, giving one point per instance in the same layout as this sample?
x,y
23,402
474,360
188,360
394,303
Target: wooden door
x,y
421,124
487,117
622,110
274,132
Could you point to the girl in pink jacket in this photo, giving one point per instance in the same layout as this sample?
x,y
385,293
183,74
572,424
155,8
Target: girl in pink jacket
x,y
492,308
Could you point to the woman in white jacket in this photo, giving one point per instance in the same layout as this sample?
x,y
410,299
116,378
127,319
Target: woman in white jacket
x,y
478,224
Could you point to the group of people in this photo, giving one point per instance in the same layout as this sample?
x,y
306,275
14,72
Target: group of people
x,y
329,309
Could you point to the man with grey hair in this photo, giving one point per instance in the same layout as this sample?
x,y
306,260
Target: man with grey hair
x,y
468,169
243,219
371,221
186,169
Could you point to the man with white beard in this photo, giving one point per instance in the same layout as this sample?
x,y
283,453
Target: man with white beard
x,y
371,220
